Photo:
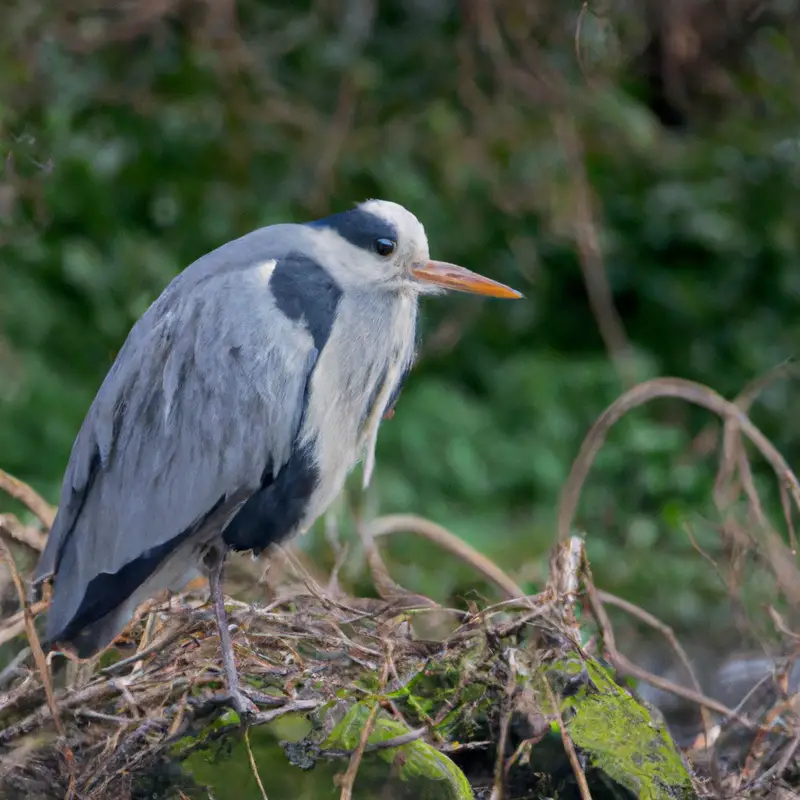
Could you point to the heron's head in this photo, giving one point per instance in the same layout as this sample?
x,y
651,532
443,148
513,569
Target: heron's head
x,y
381,243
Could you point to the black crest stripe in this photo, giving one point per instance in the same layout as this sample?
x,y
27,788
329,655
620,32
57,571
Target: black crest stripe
x,y
358,227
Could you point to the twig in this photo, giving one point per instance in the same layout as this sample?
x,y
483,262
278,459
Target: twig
x,y
298,563
123,754
459,746
98,715
411,523
657,624
34,501
625,666
12,669
563,583
386,744
387,588
498,787
253,766
349,777
397,741
691,392
158,645
127,696
580,776
340,551
262,718
33,639
577,38
15,624
265,717
786,507
70,699
11,527
703,443
779,768
523,750
704,554
41,664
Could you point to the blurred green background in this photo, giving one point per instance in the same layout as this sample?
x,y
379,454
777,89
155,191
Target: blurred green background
x,y
633,168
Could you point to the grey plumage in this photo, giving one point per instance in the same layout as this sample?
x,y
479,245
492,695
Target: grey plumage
x,y
235,410
159,447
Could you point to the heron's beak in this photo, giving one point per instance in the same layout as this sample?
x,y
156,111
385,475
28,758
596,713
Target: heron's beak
x,y
451,276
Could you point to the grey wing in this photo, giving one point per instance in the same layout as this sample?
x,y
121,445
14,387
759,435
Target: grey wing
x,y
202,404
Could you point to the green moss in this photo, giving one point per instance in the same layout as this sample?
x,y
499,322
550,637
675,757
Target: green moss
x,y
414,761
109,657
455,682
622,739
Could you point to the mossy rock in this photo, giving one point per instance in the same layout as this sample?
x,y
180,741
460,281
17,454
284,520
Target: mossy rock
x,y
621,738
436,776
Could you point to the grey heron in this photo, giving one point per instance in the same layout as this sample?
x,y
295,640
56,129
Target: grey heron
x,y
233,413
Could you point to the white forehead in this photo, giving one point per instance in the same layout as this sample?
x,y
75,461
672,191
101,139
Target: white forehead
x,y
409,229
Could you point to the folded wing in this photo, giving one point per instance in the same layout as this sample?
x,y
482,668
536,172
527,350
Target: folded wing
x,y
200,410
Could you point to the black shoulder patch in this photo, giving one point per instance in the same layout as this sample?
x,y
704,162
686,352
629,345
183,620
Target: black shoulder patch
x,y
274,511
358,227
303,289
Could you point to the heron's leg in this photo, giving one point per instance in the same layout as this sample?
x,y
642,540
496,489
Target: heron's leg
x,y
243,705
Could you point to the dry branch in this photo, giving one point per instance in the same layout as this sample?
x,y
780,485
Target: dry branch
x,y
411,523
14,530
30,498
643,393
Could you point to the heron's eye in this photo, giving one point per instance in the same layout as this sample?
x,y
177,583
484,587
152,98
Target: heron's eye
x,y
385,247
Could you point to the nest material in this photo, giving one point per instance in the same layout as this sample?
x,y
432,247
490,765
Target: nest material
x,y
298,655
482,686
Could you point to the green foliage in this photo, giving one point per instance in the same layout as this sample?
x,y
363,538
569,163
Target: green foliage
x,y
132,149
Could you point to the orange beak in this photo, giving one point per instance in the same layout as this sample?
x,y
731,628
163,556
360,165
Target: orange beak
x,y
451,276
